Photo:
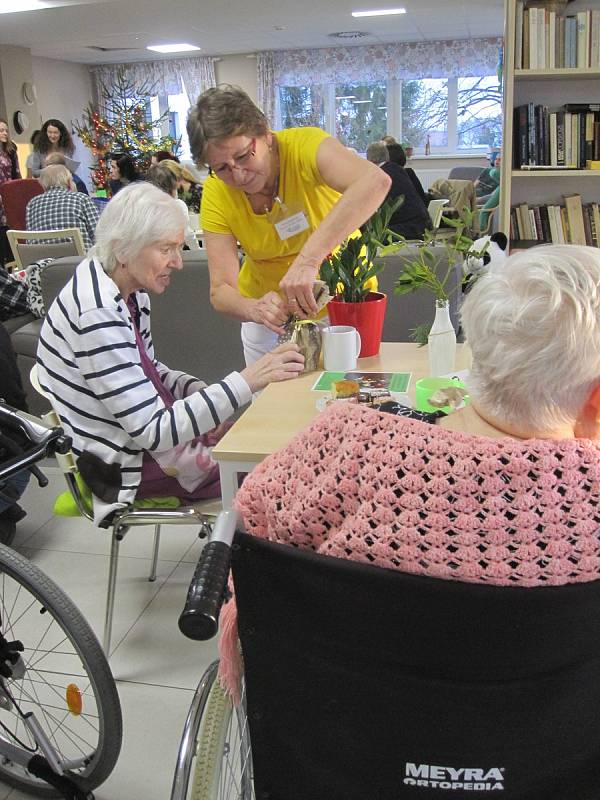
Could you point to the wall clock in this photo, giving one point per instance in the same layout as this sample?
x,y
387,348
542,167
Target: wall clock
x,y
20,121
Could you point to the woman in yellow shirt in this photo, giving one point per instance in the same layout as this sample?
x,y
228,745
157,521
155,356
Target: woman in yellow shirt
x,y
288,197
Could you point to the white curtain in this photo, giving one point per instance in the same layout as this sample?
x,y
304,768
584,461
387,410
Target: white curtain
x,y
265,73
168,76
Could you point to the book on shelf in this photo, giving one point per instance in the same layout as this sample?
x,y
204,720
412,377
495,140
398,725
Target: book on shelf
x,y
573,223
547,40
568,137
574,209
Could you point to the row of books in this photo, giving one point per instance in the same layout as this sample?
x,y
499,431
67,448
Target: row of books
x,y
546,40
569,137
573,223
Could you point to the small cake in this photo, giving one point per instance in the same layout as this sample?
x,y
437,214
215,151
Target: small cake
x,y
344,390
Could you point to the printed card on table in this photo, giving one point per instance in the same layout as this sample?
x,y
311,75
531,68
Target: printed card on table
x,y
394,382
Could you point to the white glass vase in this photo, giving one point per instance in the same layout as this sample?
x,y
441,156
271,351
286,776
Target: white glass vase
x,y
441,341
194,220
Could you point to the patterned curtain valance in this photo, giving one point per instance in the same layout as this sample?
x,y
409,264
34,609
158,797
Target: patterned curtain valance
x,y
405,60
170,76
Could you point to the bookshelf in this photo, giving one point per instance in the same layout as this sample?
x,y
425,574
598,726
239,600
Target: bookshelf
x,y
545,87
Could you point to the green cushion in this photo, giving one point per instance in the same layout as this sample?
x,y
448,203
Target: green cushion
x,y
65,505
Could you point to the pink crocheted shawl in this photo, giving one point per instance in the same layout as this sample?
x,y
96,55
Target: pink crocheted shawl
x,y
402,494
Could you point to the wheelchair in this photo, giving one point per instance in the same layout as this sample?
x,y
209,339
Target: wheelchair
x,y
364,683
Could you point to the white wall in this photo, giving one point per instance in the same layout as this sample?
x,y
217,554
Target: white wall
x,y
64,89
239,70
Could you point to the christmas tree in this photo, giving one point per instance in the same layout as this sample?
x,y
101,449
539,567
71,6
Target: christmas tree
x,y
123,128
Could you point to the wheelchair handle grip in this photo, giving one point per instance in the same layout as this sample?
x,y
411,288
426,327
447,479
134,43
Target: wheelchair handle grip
x,y
199,619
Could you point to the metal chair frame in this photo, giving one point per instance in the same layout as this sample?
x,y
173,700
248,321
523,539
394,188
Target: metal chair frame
x,y
203,514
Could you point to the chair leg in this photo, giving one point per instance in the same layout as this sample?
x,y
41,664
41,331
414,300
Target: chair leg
x,y
110,594
152,576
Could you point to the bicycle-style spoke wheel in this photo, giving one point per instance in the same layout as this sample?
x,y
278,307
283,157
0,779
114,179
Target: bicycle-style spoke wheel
x,y
215,760
67,683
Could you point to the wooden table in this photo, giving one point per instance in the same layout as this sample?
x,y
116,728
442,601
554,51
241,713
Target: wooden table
x,y
283,409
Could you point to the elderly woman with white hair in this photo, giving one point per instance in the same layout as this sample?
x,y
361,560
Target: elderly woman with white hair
x,y
146,430
506,490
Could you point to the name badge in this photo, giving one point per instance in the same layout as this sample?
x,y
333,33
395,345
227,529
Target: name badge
x,y
290,226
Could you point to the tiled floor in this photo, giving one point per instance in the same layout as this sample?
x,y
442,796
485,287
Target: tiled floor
x,y
155,667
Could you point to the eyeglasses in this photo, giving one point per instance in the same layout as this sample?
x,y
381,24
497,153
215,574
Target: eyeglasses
x,y
225,171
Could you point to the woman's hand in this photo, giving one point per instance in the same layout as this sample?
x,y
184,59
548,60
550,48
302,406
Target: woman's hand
x,y
281,364
297,287
271,311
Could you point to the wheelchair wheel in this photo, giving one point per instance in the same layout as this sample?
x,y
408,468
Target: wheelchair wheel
x,y
66,683
218,747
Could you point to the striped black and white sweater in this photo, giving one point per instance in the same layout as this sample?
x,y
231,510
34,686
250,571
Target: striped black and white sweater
x,y
89,362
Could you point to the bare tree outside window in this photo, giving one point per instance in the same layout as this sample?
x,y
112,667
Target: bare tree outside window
x,y
360,113
479,112
425,112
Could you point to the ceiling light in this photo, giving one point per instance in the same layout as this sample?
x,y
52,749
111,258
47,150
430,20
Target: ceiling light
x,y
383,12
362,101
172,48
12,6
346,97
381,108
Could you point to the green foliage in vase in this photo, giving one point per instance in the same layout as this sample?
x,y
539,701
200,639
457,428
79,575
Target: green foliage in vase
x,y
347,271
420,267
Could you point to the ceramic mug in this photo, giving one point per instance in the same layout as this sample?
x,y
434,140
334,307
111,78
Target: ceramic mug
x,y
341,346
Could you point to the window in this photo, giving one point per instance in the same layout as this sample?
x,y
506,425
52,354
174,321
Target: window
x,y
174,123
302,106
425,113
360,113
479,112
456,114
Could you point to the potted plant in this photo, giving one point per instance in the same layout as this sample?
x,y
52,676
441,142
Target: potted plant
x,y
408,149
421,271
346,273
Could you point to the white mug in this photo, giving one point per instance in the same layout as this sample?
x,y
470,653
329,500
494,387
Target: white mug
x,y
341,346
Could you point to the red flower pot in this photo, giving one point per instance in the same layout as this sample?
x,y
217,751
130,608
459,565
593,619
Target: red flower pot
x,y
366,317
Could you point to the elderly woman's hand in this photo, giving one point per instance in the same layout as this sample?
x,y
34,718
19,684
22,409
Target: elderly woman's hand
x,y
281,364
271,311
297,287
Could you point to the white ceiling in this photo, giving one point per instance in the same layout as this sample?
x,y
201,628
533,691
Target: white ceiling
x,y
68,29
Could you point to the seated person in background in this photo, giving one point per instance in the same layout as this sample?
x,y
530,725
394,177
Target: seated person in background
x,y
411,220
122,172
493,199
398,156
163,155
61,206
505,491
388,139
58,158
188,188
32,157
489,179
146,430
160,175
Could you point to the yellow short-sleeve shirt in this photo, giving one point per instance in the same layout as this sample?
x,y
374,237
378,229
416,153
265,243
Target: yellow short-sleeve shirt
x,y
226,209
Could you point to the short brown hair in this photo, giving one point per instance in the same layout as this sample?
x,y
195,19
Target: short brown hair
x,y
161,176
222,112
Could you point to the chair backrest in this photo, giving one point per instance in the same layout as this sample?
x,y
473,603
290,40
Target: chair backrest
x,y
363,682
465,173
436,209
15,196
405,312
488,226
26,251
